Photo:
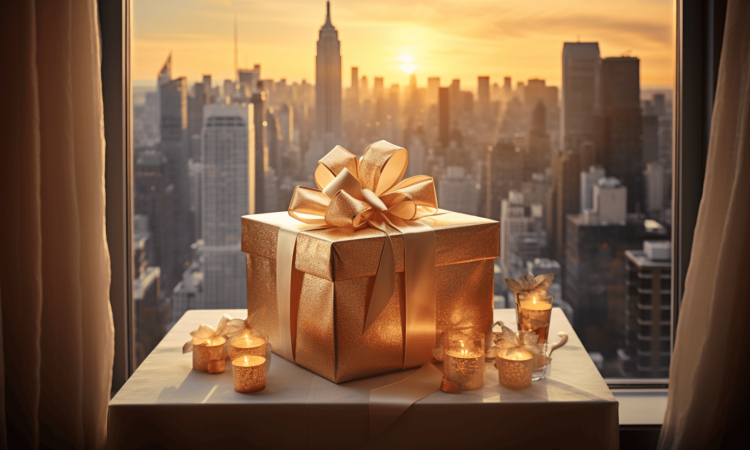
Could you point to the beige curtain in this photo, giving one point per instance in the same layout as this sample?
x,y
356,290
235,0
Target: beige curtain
x,y
57,332
709,375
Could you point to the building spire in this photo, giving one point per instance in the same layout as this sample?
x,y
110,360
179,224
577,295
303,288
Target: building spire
x,y
328,14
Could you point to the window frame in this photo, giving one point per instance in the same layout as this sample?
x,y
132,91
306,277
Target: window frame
x,y
697,53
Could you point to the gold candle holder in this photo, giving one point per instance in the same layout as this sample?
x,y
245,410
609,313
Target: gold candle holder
x,y
249,373
209,356
464,359
514,368
247,345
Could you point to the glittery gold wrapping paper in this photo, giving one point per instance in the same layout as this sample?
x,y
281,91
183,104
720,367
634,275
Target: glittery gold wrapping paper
x,y
334,276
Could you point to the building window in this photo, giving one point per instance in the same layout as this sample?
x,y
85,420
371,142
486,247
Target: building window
x,y
564,140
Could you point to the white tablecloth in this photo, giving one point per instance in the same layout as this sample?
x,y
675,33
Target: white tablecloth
x,y
165,403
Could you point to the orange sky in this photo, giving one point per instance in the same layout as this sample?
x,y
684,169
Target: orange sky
x,y
450,39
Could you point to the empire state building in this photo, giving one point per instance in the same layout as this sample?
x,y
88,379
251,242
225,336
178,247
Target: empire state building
x,y
327,94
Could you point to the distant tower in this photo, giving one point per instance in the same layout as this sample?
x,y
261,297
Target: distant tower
x,y
444,116
620,125
226,195
580,64
258,100
327,94
483,96
433,87
355,85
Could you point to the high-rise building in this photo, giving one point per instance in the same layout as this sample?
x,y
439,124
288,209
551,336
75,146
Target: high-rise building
x,y
534,93
458,191
455,97
595,279
433,86
580,65
566,169
226,195
522,234
610,200
275,156
174,144
444,117
328,132
650,139
153,199
151,309
507,88
258,100
538,157
647,323
619,125
354,92
483,97
589,179
505,174
656,192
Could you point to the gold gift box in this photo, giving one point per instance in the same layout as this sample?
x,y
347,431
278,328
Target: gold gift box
x,y
333,278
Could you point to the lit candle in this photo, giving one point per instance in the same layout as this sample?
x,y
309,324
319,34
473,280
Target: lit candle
x,y
249,373
514,368
247,345
534,313
209,356
464,361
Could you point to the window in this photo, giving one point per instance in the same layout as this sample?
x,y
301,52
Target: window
x,y
554,120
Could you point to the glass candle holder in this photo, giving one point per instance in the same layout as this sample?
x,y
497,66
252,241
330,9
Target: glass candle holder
x,y
464,359
249,345
514,368
249,373
206,356
534,310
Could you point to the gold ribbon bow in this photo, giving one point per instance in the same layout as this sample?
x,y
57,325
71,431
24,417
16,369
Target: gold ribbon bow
x,y
357,193
370,192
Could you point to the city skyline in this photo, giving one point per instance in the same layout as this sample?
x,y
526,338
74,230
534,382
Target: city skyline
x,y
438,40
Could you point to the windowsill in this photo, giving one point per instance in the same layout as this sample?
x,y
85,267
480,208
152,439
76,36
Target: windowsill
x,y
641,406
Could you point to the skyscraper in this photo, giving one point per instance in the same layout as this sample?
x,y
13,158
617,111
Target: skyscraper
x,y
580,64
355,86
229,171
444,116
483,96
433,86
619,125
327,93
174,143
534,93
258,101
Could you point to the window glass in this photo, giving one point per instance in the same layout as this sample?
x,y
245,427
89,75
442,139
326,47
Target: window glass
x,y
552,118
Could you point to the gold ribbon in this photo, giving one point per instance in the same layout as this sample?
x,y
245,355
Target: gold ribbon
x,y
227,327
370,192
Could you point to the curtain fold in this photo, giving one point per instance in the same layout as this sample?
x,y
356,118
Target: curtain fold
x,y
708,388
57,330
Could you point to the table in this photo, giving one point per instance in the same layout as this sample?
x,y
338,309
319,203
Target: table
x,y
166,404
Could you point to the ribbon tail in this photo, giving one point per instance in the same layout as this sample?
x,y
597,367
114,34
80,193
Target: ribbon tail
x,y
389,402
385,279
188,347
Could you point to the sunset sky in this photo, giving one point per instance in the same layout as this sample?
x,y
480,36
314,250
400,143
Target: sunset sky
x,y
450,39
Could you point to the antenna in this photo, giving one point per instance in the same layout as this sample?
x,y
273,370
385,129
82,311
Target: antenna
x,y
235,47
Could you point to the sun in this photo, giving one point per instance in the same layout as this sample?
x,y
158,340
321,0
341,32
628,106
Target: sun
x,y
407,65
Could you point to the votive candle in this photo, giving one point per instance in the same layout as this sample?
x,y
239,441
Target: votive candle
x,y
249,373
247,345
514,368
464,360
206,356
